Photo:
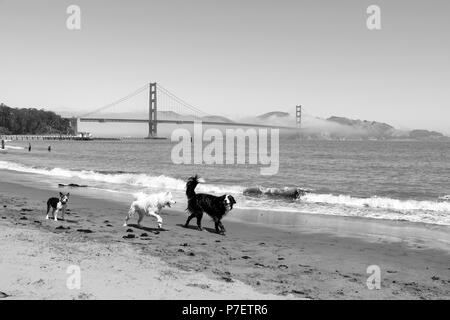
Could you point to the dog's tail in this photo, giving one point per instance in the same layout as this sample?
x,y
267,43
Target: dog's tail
x,y
191,184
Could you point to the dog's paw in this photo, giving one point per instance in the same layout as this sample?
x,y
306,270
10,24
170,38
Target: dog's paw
x,y
125,225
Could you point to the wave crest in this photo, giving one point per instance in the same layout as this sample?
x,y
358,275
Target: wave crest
x,y
132,179
377,202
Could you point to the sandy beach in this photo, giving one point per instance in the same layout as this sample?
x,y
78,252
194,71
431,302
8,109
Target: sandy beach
x,y
250,262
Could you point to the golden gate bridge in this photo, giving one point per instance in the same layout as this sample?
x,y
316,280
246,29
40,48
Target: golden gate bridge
x,y
164,107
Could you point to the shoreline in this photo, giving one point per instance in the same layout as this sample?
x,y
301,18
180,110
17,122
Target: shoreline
x,y
313,262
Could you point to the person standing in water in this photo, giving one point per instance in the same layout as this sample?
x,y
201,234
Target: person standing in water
x,y
49,148
29,147
3,144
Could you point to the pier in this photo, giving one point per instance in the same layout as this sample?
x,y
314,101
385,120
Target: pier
x,y
19,137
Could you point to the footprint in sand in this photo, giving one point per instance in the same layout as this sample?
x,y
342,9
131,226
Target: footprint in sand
x,y
3,295
129,236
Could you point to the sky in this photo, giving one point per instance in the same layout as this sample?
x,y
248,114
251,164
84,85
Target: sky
x,y
234,58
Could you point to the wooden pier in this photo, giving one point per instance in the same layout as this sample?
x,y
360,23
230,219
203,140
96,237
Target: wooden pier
x,y
42,137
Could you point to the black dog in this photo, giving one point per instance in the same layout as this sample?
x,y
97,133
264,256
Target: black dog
x,y
215,207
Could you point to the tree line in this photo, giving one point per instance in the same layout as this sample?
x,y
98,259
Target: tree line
x,y
32,121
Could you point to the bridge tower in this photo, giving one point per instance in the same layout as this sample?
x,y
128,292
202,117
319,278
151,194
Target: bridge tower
x,y
298,116
152,109
73,122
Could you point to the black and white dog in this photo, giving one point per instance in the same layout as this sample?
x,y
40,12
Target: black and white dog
x,y
58,204
215,207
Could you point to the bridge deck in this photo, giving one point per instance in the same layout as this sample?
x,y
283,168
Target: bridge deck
x,y
215,123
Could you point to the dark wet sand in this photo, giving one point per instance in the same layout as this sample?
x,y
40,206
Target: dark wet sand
x,y
308,263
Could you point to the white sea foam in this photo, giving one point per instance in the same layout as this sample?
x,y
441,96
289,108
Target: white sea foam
x,y
377,202
436,212
13,147
132,179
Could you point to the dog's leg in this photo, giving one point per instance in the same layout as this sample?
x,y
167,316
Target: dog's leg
x,y
158,218
141,216
199,221
48,210
217,224
63,212
129,214
189,220
55,214
222,227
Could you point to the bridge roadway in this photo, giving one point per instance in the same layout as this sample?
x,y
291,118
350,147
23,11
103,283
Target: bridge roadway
x,y
215,123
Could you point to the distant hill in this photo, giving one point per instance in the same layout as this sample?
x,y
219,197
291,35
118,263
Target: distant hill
x,y
273,114
31,121
380,130
425,134
216,119
373,129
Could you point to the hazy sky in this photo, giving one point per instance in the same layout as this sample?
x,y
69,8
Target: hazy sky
x,y
234,57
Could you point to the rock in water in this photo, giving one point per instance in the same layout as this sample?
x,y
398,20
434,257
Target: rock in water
x,y
286,192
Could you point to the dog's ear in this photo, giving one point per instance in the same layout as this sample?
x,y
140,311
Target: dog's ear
x,y
68,194
61,194
232,200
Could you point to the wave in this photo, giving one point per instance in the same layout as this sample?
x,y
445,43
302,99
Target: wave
x,y
13,147
132,179
377,202
272,198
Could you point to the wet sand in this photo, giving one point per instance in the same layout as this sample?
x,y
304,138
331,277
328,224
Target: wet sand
x,y
252,261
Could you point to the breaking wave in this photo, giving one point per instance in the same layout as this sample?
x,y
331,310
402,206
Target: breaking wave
x,y
377,202
132,179
262,198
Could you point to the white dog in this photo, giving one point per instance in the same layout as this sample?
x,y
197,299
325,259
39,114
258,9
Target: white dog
x,y
150,205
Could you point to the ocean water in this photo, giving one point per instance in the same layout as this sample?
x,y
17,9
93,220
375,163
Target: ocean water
x,y
396,180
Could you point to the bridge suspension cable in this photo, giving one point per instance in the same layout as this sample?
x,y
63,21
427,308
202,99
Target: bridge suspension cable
x,y
183,103
127,97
